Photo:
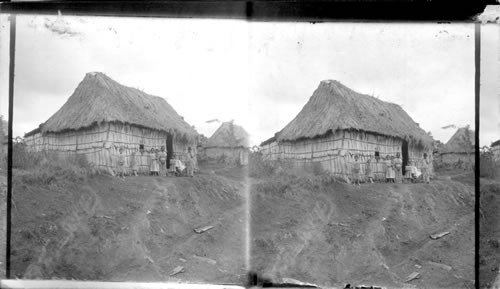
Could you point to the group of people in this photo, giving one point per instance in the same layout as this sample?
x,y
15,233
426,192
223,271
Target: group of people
x,y
393,170
157,160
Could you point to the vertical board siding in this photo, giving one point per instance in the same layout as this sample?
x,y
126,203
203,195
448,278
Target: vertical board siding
x,y
496,153
229,154
335,152
91,142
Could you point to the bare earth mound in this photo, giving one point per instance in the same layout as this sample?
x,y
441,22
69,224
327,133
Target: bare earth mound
x,y
137,229
318,231
489,254
303,227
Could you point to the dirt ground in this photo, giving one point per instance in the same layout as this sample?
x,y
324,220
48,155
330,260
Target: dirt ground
x,y
302,227
332,233
136,229
489,249
3,219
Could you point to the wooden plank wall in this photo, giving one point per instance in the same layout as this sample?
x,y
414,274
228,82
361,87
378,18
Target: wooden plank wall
x,y
496,153
101,143
336,152
232,155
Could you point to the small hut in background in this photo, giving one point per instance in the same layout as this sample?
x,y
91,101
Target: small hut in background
x,y
102,116
4,142
495,149
338,123
228,144
4,139
459,151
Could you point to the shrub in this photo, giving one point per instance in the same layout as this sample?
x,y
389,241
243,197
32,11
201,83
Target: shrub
x,y
488,168
259,167
23,159
49,167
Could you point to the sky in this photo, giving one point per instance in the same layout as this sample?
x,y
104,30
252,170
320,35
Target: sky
x,y
259,74
489,128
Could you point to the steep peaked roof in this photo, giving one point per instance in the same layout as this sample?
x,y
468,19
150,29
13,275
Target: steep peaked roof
x,y
5,127
495,143
333,106
462,141
98,98
229,135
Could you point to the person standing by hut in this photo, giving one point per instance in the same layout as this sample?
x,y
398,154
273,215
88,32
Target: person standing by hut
x,y
369,170
157,162
378,166
426,169
133,164
398,168
389,169
190,162
153,164
121,163
108,159
356,169
162,157
393,170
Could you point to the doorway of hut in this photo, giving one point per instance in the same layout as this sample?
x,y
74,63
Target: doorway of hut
x,y
170,148
404,155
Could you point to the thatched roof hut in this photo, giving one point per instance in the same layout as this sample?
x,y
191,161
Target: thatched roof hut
x,y
338,123
229,135
103,116
459,150
228,144
462,141
495,149
334,106
98,98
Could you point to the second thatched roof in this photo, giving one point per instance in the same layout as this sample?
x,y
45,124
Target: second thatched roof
x,y
333,106
98,98
463,141
229,135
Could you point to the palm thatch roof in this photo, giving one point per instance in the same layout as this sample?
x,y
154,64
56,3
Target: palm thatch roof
x,y
98,98
229,135
5,126
333,106
268,141
495,143
463,141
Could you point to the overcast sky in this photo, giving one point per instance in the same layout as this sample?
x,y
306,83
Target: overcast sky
x,y
259,74
490,85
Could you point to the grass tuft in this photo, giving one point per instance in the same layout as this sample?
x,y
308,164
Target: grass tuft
x,y
48,168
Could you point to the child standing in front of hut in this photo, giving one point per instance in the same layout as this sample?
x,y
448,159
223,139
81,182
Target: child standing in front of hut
x,y
190,162
153,165
408,172
356,168
369,170
378,167
156,162
389,169
133,163
398,169
121,163
426,169
162,156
